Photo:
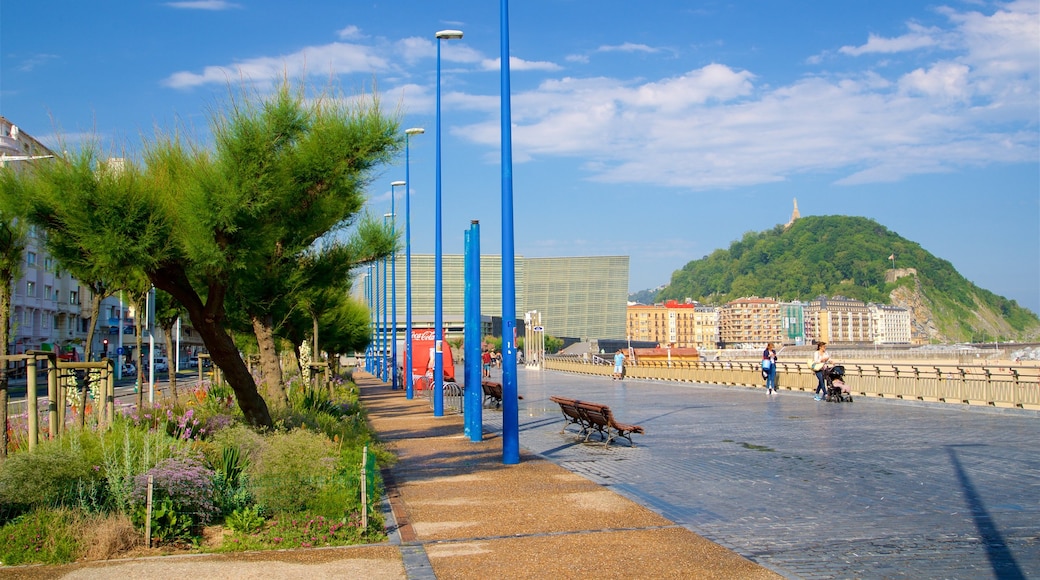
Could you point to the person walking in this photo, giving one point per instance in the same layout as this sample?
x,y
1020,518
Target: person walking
x,y
820,364
619,365
485,359
769,368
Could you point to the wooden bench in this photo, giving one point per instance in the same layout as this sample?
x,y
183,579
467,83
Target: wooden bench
x,y
595,417
492,392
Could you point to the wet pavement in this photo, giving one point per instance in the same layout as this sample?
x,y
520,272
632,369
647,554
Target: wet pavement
x,y
869,489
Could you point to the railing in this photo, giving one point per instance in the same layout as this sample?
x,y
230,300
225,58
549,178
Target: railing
x,y
1014,386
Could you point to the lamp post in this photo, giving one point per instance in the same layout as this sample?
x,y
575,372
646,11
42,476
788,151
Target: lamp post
x,y
510,408
409,388
393,282
386,330
438,278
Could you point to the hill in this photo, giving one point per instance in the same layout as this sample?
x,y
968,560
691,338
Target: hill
x,y
849,256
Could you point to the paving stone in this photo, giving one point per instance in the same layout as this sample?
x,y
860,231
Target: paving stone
x,y
872,489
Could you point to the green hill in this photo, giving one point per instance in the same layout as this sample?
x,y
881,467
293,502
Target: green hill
x,y
849,256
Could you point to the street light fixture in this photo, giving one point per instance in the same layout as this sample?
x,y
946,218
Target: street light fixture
x,y
385,370
393,281
409,387
510,408
438,278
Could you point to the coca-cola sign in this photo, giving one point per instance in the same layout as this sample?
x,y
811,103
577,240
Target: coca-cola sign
x,y
426,334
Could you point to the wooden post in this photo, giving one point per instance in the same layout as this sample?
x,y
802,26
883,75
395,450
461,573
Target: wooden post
x,y
364,488
110,394
31,400
148,513
52,397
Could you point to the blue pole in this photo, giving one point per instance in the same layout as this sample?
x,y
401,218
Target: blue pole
x,y
438,280
510,407
438,304
409,387
393,290
473,396
384,358
368,302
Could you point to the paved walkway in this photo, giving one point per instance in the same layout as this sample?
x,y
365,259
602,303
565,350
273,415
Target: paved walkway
x,y
871,489
726,483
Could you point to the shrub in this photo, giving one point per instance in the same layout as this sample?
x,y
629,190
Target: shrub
x,y
47,477
291,469
182,497
129,451
109,536
307,530
44,536
246,520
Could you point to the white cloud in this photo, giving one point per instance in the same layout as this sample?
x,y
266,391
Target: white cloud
x,y
628,47
334,58
519,64
204,5
349,33
713,127
918,38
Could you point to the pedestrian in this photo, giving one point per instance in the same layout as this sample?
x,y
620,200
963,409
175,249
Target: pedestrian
x,y
820,366
485,359
619,365
769,368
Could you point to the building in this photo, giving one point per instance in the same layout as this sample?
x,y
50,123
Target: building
x,y
792,322
750,323
674,324
579,297
837,319
50,309
889,324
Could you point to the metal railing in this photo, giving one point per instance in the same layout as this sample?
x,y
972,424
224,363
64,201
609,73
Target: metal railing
x,y
997,385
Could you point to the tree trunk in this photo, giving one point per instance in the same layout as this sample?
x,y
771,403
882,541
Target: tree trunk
x,y
5,346
95,311
135,303
269,363
207,319
171,361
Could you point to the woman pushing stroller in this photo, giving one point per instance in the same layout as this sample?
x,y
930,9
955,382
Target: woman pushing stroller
x,y
820,364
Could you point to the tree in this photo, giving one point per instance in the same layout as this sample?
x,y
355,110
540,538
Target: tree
x,y
12,245
167,312
200,224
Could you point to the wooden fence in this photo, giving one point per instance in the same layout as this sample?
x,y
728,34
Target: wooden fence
x,y
1013,386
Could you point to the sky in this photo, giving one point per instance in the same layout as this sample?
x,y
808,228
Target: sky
x,y
659,130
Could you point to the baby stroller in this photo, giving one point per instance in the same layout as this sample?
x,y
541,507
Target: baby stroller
x,y
837,391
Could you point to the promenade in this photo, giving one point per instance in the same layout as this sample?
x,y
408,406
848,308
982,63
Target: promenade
x,y
726,483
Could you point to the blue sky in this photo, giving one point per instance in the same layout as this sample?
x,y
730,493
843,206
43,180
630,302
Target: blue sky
x,y
660,130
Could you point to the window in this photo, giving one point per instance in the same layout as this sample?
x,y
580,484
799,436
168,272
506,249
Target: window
x,y
48,293
48,264
30,259
30,288
73,297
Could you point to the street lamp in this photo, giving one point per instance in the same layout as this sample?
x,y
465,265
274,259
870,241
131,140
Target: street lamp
x,y
386,333
510,408
438,279
409,388
393,281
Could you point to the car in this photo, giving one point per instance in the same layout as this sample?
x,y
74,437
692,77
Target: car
x,y
161,366
193,362
129,370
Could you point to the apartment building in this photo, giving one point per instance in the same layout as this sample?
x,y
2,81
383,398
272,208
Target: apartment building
x,y
675,324
750,323
890,324
837,319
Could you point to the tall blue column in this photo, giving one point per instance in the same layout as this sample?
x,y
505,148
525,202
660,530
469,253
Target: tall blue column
x,y
510,406
473,400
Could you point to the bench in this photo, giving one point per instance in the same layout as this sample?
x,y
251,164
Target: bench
x,y
492,392
595,417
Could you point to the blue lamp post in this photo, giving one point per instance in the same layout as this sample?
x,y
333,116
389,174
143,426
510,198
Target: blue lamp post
x,y
438,278
510,407
393,284
409,388
386,321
